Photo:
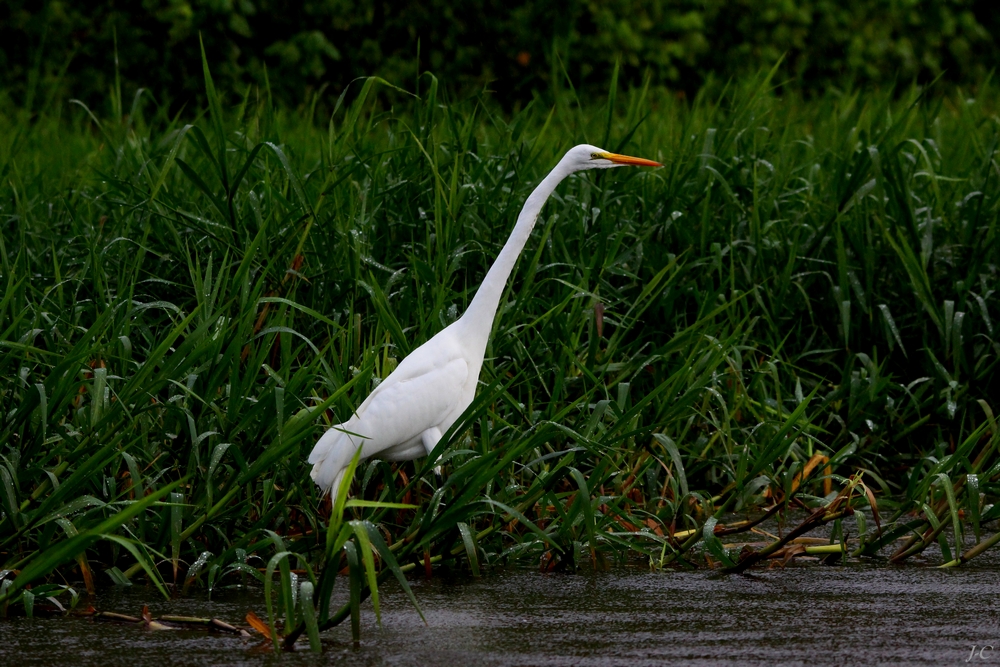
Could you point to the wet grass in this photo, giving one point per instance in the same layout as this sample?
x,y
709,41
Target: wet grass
x,y
796,312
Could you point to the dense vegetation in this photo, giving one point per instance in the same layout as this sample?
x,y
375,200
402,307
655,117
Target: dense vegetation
x,y
516,48
802,303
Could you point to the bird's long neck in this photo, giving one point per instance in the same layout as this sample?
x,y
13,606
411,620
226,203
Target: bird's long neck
x,y
478,319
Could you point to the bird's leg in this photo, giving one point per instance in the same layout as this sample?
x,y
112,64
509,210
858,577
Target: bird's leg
x,y
430,438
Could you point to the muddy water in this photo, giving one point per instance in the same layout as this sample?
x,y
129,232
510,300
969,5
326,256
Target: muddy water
x,y
800,615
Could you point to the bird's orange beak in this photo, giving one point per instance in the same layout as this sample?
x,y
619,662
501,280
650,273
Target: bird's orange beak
x,y
631,161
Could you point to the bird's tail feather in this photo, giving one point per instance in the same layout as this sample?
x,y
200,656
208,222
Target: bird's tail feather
x,y
330,458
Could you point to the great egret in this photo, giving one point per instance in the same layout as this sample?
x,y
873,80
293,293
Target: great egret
x,y
406,414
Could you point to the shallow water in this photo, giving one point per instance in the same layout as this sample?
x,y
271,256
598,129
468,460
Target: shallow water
x,y
799,615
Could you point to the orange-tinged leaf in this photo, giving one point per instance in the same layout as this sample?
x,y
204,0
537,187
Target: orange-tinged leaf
x,y
88,576
258,624
807,470
874,506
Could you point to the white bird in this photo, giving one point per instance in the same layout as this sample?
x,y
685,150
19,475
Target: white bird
x,y
406,414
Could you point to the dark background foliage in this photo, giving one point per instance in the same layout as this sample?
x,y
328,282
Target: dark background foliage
x,y
515,48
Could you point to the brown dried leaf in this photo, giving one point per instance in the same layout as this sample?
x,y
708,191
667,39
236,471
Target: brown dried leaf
x,y
259,625
874,505
790,552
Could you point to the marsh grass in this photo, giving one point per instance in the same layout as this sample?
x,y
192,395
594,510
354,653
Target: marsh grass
x,y
800,304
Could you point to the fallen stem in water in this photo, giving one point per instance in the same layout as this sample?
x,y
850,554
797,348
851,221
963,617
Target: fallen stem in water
x,y
974,551
818,518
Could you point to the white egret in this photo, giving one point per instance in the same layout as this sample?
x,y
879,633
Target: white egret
x,y
406,414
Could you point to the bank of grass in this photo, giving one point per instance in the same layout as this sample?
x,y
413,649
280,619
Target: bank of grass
x,y
802,303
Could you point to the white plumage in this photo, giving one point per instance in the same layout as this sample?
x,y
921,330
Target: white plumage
x,y
406,415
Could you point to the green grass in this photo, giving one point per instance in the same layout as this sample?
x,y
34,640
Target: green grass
x,y
185,307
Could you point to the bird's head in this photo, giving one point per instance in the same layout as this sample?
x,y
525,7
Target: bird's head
x,y
586,156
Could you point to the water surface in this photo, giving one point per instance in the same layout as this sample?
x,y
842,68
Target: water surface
x,y
800,615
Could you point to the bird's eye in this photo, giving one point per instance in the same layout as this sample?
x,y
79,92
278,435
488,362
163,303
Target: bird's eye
x,y
596,156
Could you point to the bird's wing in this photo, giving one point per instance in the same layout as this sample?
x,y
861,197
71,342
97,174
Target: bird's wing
x,y
411,400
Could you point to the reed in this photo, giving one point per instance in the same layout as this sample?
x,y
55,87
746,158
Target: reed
x,y
800,304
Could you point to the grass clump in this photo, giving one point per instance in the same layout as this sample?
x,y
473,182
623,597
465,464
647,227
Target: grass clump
x,y
797,311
